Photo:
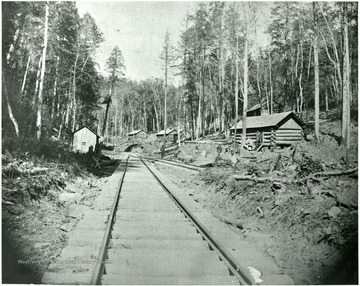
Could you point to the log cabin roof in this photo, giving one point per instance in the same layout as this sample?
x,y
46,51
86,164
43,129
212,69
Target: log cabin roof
x,y
86,128
269,120
168,131
135,132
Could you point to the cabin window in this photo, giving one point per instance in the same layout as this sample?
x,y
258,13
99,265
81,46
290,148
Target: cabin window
x,y
83,143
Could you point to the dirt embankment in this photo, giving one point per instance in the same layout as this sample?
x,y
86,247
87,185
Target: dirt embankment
x,y
309,228
45,191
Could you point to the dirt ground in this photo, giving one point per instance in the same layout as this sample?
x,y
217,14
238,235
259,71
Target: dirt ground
x,y
291,228
38,210
308,227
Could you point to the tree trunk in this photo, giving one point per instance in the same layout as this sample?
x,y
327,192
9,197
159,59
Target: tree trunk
x,y
337,61
198,129
62,124
11,115
157,118
165,101
301,96
271,86
40,96
74,92
145,119
25,76
236,88
245,106
192,120
346,88
37,82
317,108
11,49
55,87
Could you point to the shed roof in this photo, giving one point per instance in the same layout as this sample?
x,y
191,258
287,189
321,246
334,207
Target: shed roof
x,y
255,107
268,120
135,132
168,131
86,128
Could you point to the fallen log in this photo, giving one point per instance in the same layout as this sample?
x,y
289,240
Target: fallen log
x,y
207,142
294,181
234,222
167,149
16,170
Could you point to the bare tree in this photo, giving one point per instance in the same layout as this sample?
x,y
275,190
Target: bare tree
x,y
42,76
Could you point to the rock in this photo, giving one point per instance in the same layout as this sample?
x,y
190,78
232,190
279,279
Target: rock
x,y
310,137
282,199
188,159
67,226
77,211
71,188
277,187
234,160
69,197
334,212
40,245
348,199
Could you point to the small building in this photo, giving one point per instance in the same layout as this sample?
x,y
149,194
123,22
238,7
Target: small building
x,y
137,134
185,135
84,140
255,110
171,135
262,108
279,129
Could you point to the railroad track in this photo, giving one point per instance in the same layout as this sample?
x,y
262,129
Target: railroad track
x,y
156,240
176,164
146,236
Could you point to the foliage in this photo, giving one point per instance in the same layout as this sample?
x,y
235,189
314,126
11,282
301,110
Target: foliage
x,y
71,81
280,71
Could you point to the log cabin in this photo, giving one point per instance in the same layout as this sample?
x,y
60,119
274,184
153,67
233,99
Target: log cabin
x,y
171,135
279,129
137,134
84,140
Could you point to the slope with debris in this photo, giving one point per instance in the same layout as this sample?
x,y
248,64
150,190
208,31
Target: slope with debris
x,y
45,191
298,205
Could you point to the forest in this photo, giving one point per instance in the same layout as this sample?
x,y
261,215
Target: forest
x,y
51,85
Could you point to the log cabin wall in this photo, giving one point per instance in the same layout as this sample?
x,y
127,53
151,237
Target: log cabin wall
x,y
290,132
264,133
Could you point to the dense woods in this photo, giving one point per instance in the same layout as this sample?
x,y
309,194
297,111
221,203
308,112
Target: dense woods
x,y
52,86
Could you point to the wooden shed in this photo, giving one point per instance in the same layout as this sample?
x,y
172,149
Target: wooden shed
x,y
83,139
171,135
184,135
262,108
137,134
255,110
284,128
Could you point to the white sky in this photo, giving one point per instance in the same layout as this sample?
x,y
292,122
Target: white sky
x,y
139,28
